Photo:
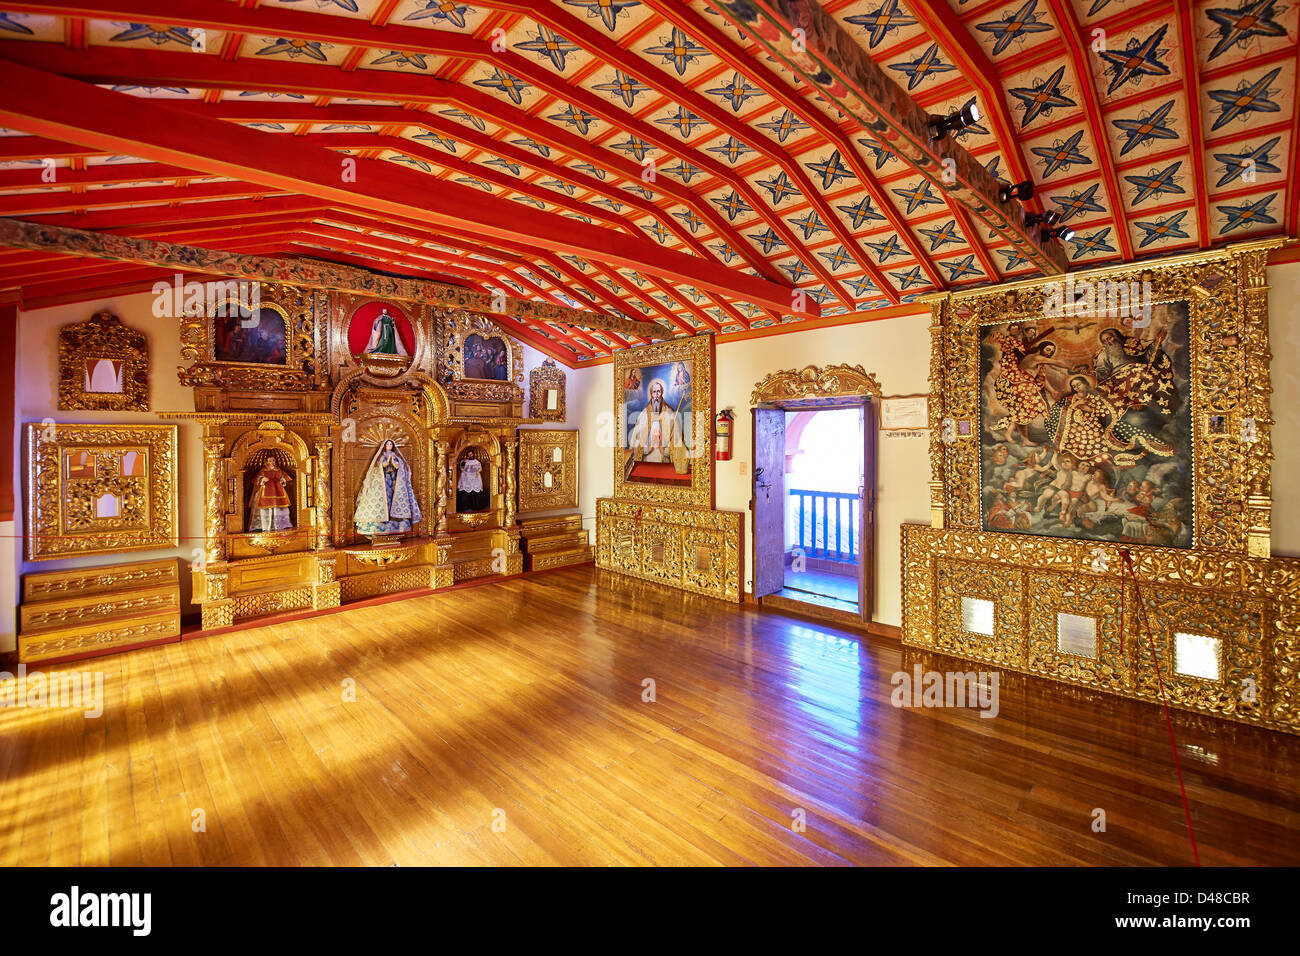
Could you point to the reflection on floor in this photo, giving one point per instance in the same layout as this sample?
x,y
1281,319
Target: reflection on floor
x,y
505,724
823,588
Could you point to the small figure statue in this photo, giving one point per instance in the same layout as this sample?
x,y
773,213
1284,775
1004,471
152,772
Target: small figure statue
x,y
269,501
384,339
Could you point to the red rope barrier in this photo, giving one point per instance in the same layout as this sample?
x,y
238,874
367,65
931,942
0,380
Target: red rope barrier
x,y
1164,699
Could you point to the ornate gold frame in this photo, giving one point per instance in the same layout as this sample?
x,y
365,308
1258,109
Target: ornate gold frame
x,y
103,336
303,368
1252,605
454,327
697,349
812,382
385,372
61,523
536,459
542,379
1228,315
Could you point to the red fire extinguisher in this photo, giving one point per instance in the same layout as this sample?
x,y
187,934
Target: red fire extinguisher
x,y
722,435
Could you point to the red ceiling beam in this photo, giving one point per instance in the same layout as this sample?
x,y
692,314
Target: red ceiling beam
x,y
353,33
235,210
1075,49
818,48
76,111
135,66
31,204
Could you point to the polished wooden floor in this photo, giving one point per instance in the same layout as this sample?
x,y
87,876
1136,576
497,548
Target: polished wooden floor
x,y
505,724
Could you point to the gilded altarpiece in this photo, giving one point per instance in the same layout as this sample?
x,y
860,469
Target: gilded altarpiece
x,y
1220,588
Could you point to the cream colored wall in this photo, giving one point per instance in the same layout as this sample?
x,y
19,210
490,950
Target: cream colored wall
x,y
896,350
1284,339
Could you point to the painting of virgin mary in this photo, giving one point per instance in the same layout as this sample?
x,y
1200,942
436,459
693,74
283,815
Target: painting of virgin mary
x,y
386,504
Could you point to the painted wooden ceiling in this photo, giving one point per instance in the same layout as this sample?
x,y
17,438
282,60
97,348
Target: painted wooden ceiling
x,y
1149,127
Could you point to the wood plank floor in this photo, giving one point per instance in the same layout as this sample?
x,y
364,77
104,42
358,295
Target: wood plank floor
x,y
505,724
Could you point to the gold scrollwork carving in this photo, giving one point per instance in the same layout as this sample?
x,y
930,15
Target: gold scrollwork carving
x,y
96,489
543,380
86,383
537,460
812,381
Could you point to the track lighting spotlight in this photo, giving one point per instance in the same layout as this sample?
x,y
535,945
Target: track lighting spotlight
x,y
1022,191
941,126
1045,219
1064,233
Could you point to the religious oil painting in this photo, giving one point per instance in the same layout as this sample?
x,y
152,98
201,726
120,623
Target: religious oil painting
x,y
664,398
1086,428
487,358
257,337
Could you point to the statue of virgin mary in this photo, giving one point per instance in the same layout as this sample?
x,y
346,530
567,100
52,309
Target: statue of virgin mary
x,y
386,503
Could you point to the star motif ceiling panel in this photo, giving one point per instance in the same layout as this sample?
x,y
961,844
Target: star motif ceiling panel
x,y
1150,128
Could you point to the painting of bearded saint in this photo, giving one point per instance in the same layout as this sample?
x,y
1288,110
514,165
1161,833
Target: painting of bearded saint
x,y
1086,429
659,432
386,504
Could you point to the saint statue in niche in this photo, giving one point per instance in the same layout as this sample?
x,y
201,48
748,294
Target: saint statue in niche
x,y
386,504
470,494
268,508
384,339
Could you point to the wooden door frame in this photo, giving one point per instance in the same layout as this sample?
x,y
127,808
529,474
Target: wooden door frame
x,y
867,553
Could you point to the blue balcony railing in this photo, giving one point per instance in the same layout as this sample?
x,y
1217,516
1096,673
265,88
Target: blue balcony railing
x,y
827,523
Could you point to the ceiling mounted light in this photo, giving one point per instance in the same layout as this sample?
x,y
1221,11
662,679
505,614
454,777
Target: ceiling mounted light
x,y
1042,219
941,126
1021,191
1064,233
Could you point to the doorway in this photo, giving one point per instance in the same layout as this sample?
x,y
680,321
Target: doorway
x,y
814,506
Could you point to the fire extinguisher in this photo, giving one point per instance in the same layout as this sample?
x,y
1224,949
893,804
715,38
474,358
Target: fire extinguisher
x,y
722,435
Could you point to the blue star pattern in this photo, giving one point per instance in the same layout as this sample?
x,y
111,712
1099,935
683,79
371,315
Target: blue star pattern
x,y
917,196
860,212
683,122
1238,27
506,83
1139,58
879,23
1146,128
810,223
1041,98
1096,242
924,66
1155,183
1061,155
1079,202
736,92
940,236
607,11
1258,160
453,13
678,50
627,88
1247,98
780,188
1248,214
959,269
1014,26
831,170
1168,228
548,45
783,125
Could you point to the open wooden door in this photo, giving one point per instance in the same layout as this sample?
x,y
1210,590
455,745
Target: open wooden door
x,y
867,502
768,503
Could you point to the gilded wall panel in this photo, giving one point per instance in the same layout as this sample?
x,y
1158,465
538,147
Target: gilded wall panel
x,y
99,489
695,549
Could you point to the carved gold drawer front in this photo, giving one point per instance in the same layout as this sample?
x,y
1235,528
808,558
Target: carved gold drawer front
x,y
81,611
64,642
80,582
